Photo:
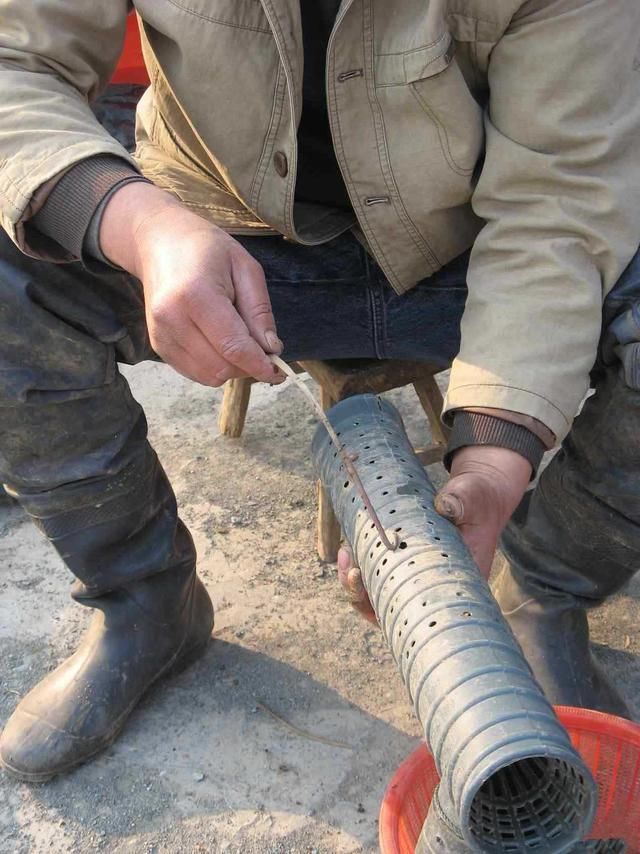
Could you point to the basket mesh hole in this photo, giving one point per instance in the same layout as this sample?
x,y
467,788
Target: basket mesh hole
x,y
528,805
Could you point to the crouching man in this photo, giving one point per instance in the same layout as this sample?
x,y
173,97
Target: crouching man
x,y
383,140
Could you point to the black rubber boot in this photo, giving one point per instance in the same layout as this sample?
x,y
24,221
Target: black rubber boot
x,y
139,634
553,631
135,564
74,450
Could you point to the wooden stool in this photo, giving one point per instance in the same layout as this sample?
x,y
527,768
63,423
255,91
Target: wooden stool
x,y
337,380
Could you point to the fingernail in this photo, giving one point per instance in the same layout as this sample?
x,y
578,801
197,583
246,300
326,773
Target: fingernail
x,y
274,344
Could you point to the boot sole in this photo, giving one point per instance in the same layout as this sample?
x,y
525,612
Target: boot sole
x,y
173,668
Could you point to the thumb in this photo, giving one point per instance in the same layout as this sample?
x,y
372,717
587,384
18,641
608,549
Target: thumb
x,y
450,504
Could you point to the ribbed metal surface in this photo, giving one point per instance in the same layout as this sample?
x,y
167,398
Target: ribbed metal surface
x,y
511,780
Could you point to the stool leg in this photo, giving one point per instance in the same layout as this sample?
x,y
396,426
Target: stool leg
x,y
329,532
431,401
235,402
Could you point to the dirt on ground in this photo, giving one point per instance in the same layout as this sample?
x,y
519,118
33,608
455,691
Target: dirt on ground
x,y
283,737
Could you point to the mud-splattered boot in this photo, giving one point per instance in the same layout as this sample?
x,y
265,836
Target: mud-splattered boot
x,y
138,634
135,562
74,451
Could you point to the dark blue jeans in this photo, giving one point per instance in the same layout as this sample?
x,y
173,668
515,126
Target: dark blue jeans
x,y
333,302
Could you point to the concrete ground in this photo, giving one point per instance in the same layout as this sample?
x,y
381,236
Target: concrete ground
x,y
281,740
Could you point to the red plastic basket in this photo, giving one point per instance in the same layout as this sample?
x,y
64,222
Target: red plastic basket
x,y
609,745
131,67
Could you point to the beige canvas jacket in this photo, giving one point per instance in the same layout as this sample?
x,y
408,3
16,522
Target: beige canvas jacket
x,y
513,126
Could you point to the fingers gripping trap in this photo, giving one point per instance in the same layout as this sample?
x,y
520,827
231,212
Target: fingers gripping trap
x,y
510,779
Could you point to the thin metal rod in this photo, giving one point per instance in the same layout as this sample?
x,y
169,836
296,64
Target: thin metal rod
x,y
345,456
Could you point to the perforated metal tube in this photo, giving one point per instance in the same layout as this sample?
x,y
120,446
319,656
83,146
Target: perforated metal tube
x,y
510,779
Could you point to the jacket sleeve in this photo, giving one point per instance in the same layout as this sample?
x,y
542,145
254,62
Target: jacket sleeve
x,y
560,194
55,57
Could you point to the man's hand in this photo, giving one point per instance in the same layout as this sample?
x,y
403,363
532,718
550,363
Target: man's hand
x,y
207,304
485,487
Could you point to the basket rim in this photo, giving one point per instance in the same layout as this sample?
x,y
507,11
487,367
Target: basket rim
x,y
574,719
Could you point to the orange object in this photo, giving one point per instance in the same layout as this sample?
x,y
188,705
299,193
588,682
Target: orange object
x,y
131,68
610,746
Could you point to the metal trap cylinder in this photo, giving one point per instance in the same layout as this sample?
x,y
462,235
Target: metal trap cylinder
x,y
510,779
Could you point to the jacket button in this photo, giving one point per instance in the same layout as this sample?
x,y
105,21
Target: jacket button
x,y
281,164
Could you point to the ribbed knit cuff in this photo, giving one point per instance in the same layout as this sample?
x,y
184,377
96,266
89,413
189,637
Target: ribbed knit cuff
x,y
473,428
69,208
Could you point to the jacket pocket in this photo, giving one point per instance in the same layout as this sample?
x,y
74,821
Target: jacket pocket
x,y
242,14
442,92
